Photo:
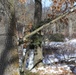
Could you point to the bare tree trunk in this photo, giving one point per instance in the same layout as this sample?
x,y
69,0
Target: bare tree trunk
x,y
37,19
38,11
70,28
54,28
9,56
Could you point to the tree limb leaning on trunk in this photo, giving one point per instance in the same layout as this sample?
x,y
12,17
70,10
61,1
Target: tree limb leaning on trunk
x,y
47,24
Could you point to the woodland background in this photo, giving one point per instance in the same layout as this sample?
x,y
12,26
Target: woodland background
x,y
32,15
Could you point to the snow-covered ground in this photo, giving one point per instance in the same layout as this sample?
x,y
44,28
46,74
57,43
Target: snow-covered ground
x,y
61,51
53,70
66,52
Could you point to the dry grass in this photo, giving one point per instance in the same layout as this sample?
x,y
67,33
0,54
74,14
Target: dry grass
x,y
15,73
30,73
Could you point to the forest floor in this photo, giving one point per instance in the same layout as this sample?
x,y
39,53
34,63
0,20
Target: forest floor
x,y
53,70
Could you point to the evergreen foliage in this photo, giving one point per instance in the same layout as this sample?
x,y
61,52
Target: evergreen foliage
x,y
56,37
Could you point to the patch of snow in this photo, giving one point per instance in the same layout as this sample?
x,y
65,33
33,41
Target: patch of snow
x,y
34,70
73,40
55,44
60,57
24,51
41,68
30,62
66,39
50,59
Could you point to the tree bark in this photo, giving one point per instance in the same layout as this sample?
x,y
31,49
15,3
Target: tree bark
x,y
9,56
70,29
38,12
37,20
